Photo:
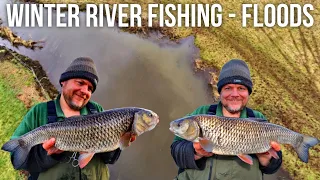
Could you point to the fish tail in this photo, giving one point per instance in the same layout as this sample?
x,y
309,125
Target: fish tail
x,y
11,145
19,150
303,148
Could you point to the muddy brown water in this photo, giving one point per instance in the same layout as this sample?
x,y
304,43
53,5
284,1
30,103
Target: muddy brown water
x,y
133,72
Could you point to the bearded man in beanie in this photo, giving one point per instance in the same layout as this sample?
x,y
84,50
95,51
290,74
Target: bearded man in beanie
x,y
44,161
235,87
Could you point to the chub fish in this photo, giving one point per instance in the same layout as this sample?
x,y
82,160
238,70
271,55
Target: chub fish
x,y
90,134
240,136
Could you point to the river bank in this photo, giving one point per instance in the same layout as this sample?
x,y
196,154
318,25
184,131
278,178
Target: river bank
x,y
285,67
19,91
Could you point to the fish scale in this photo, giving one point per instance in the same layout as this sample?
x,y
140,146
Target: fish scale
x,y
235,136
240,136
99,132
88,133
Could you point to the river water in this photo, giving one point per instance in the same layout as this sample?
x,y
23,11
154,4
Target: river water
x,y
132,72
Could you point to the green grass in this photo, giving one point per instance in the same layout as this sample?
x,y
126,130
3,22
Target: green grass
x,y
285,66
17,95
12,111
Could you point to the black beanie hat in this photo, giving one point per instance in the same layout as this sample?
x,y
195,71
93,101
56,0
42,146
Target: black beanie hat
x,y
235,72
82,67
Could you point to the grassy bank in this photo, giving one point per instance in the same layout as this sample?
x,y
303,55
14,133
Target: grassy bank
x,y
18,92
285,66
9,121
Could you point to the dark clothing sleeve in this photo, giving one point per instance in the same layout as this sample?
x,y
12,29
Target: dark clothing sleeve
x,y
273,166
39,161
182,152
110,157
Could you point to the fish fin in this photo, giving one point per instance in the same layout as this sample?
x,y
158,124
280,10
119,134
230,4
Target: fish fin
x,y
19,151
52,150
11,145
125,141
273,153
206,144
303,148
246,158
197,139
275,145
133,138
258,120
85,158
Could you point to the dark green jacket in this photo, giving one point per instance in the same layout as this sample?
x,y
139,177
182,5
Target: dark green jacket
x,y
55,166
217,166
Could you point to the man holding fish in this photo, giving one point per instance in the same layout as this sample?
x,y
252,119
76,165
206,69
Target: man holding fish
x,y
194,162
230,141
72,137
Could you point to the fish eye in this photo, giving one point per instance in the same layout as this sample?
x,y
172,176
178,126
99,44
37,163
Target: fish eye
x,y
150,114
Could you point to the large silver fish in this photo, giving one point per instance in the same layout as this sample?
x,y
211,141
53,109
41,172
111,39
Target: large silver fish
x,y
99,132
240,136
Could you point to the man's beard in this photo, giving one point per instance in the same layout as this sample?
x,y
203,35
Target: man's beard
x,y
73,106
233,111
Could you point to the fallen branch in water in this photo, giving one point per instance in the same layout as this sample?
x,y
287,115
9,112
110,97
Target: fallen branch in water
x,y
15,40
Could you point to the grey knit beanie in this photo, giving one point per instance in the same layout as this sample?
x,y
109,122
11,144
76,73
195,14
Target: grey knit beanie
x,y
82,67
235,72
